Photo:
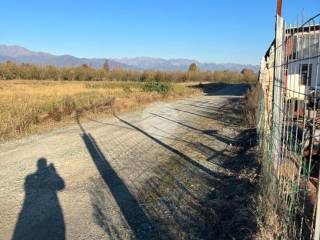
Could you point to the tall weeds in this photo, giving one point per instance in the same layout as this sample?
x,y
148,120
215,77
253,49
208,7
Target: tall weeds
x,y
29,106
250,107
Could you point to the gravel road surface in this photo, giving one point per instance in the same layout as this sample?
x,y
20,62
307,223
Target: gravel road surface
x,y
141,175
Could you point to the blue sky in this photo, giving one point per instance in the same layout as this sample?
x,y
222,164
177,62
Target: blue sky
x,y
207,30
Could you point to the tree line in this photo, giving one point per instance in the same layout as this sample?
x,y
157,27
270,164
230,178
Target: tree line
x,y
10,70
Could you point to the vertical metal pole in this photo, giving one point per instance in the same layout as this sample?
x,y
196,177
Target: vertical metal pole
x,y
277,112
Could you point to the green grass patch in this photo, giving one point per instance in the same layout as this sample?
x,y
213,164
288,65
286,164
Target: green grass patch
x,y
162,88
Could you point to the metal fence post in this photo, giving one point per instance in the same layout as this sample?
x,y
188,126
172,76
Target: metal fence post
x,y
277,114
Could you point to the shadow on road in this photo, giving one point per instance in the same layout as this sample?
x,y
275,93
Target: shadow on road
x,y
223,89
228,114
41,216
168,147
180,198
212,133
188,204
138,221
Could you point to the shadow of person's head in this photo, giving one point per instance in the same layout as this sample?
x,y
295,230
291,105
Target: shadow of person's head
x,y
42,164
46,175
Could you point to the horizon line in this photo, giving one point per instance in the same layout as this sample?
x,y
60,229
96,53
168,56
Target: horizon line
x,y
127,57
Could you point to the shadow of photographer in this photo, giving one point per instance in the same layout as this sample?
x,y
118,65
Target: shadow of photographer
x,y
41,216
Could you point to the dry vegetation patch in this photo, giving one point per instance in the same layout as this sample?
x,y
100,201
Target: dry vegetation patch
x,y
32,106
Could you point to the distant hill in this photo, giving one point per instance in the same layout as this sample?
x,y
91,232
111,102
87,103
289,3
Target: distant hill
x,y
20,54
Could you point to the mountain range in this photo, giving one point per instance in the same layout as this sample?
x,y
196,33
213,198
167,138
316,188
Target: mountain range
x,y
20,54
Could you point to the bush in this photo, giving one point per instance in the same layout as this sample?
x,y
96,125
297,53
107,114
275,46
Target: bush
x,y
127,89
162,88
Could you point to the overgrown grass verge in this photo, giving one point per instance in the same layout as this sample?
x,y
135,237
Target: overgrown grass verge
x,y
250,105
267,219
262,201
28,107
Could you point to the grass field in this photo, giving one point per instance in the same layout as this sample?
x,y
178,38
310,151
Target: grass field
x,y
28,106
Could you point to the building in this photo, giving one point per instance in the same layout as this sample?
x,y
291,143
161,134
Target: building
x,y
301,71
300,62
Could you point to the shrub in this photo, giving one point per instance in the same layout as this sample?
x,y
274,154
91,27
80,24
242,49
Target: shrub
x,y
68,105
127,89
162,88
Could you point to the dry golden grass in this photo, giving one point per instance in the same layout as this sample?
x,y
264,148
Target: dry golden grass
x,y
250,107
28,106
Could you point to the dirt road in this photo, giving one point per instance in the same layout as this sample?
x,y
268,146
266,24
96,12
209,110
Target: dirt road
x,y
163,173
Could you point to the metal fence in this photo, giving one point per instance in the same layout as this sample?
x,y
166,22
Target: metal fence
x,y
289,127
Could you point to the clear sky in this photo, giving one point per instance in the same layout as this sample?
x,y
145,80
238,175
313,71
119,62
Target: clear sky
x,y
237,31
